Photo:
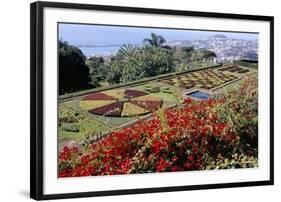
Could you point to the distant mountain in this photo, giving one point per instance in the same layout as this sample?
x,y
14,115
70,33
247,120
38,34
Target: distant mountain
x,y
221,36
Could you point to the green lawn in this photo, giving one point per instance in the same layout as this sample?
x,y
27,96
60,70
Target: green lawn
x,y
165,92
80,126
87,128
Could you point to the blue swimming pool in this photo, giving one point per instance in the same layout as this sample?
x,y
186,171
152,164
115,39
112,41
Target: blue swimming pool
x,y
199,95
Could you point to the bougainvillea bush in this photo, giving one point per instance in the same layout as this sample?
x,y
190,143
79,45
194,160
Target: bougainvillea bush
x,y
213,134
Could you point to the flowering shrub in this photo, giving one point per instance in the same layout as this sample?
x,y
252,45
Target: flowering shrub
x,y
240,109
211,134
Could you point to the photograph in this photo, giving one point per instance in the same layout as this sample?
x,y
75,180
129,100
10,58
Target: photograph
x,y
136,99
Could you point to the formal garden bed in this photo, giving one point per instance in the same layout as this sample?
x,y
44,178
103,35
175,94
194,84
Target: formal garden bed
x,y
216,133
206,79
235,68
120,103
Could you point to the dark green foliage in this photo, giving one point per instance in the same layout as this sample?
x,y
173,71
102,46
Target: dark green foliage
x,y
131,64
124,65
73,73
247,63
70,127
127,51
98,69
155,40
188,49
199,55
188,58
155,60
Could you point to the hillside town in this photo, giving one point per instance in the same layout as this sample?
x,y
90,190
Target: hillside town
x,y
226,49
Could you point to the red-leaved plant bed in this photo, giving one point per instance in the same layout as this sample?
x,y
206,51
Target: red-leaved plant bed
x,y
130,93
201,135
98,96
114,109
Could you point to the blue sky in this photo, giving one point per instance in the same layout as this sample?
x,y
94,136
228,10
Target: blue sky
x,y
80,34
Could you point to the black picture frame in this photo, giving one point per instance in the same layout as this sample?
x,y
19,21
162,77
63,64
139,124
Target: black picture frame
x,y
36,99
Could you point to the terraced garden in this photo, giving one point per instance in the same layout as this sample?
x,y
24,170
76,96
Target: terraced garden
x,y
94,115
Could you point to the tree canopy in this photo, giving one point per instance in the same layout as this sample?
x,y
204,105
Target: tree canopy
x,y
145,62
73,72
98,69
155,40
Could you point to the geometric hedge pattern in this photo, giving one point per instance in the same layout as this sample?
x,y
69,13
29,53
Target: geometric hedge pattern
x,y
120,103
206,79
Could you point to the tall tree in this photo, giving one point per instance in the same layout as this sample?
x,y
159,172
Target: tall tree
x,y
98,69
154,60
208,54
145,62
73,73
155,40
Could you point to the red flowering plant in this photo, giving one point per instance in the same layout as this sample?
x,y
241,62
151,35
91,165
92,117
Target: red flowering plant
x,y
211,134
240,109
192,137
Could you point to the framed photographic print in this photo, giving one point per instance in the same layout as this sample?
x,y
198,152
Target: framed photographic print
x,y
136,100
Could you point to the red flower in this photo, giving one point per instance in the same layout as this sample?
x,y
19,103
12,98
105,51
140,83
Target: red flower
x,y
162,165
85,159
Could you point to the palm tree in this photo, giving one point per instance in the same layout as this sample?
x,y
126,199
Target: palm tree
x,y
124,65
127,51
155,40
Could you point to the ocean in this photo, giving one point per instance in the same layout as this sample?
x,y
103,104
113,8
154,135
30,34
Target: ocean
x,y
90,51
